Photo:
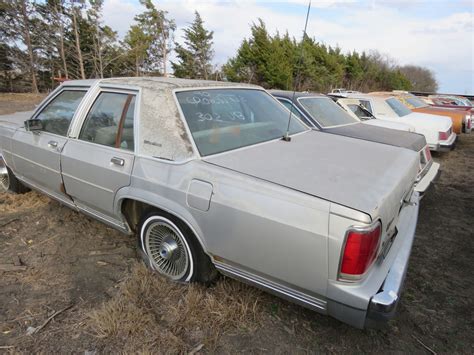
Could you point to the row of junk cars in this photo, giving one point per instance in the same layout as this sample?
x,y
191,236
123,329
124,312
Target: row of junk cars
x,y
437,120
311,197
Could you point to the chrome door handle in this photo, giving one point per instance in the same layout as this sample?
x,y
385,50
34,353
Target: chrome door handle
x,y
117,161
52,144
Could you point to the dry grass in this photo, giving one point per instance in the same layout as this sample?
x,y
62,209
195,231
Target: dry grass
x,y
19,203
150,313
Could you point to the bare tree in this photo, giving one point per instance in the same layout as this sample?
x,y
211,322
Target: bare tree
x,y
422,79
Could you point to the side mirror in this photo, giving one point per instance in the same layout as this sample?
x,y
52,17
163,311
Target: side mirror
x,y
33,125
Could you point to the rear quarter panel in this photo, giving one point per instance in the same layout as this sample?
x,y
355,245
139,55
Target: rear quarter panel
x,y
456,117
259,227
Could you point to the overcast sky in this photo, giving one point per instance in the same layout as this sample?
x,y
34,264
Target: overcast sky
x,y
438,34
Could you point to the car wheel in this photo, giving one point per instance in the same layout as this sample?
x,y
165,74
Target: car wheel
x,y
169,247
8,181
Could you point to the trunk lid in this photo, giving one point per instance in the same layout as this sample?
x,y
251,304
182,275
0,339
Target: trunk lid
x,y
383,135
369,177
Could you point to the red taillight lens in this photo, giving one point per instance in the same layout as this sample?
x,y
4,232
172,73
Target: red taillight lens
x,y
427,154
360,251
443,136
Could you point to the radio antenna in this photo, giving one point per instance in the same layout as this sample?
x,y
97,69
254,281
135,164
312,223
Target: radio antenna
x,y
287,137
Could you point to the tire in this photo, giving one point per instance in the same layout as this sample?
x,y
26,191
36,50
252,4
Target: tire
x,y
9,182
169,247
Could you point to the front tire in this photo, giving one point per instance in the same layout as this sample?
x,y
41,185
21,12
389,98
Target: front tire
x,y
169,247
9,182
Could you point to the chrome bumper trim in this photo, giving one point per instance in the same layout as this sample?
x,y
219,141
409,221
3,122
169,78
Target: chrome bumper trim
x,y
383,304
428,179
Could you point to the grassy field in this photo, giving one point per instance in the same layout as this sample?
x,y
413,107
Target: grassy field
x,y
61,261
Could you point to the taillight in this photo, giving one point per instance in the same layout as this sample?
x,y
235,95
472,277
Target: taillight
x,y
427,154
443,136
360,251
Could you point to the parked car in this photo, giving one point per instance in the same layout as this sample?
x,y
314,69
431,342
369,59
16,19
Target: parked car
x,y
200,173
437,130
461,118
452,100
343,91
462,105
356,109
321,113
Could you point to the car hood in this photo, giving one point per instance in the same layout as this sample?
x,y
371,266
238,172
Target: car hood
x,y
383,135
369,177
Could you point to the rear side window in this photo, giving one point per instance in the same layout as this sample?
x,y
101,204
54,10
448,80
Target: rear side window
x,y
399,108
366,105
57,114
110,121
358,111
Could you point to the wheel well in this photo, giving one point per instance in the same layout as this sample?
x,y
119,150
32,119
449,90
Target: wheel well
x,y
134,210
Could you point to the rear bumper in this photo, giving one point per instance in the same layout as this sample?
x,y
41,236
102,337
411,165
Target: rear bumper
x,y
428,179
445,146
374,301
383,304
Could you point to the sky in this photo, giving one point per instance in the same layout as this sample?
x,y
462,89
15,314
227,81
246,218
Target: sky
x,y
437,34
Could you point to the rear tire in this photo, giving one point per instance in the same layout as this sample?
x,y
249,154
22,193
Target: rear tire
x,y
169,247
9,182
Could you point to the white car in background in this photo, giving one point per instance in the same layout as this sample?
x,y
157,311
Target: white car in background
x,y
357,110
438,130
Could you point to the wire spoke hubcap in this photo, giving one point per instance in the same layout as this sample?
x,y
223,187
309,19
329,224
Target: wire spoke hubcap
x,y
4,178
166,249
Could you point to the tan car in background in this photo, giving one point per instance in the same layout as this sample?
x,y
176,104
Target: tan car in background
x,y
417,105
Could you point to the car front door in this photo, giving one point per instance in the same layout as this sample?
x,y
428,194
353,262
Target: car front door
x,y
36,154
99,162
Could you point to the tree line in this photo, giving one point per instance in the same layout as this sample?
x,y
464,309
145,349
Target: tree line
x,y
45,42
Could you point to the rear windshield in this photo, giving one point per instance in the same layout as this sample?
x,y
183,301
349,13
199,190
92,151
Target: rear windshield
x,y
417,103
399,108
227,119
326,112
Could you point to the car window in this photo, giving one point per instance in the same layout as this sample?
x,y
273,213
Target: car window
x,y
366,104
399,108
359,112
110,121
58,113
294,111
226,119
417,103
291,107
326,112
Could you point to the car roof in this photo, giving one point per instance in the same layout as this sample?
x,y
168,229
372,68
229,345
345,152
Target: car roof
x,y
162,130
289,94
156,82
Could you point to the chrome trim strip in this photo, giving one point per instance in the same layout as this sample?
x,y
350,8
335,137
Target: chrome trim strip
x,y
273,287
88,183
103,218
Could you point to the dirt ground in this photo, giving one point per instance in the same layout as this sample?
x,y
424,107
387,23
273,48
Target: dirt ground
x,y
83,277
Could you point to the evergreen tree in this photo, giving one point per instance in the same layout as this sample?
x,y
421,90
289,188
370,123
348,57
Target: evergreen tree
x,y
196,54
159,31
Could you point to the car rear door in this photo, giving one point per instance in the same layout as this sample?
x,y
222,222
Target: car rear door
x,y
36,154
99,162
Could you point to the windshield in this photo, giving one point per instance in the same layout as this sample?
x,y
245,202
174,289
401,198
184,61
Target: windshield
x,y
399,108
326,112
417,103
226,119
